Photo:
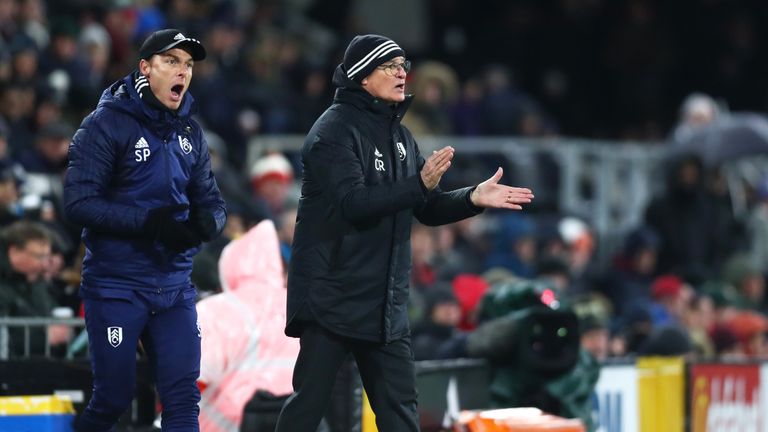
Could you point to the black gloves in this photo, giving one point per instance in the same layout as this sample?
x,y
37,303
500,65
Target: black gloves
x,y
174,235
203,223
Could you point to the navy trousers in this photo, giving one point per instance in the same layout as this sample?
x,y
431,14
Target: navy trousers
x,y
387,371
166,323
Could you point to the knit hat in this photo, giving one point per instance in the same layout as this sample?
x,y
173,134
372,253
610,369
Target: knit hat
x,y
271,167
367,52
164,40
666,286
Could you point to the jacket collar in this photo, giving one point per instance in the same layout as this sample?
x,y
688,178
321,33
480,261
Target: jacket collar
x,y
122,95
351,92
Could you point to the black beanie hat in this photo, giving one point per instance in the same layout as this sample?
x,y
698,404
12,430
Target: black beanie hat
x,y
366,52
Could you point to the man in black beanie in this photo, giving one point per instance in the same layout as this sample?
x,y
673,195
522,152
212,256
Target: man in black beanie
x,y
364,179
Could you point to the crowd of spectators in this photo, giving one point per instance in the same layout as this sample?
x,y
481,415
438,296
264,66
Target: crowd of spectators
x,y
691,272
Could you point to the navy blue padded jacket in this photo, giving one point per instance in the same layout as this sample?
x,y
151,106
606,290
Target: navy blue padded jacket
x,y
126,158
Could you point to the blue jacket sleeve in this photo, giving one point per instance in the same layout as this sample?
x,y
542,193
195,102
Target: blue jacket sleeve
x,y
203,191
92,160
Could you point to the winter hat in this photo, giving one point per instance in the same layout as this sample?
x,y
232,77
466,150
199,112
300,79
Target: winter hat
x,y
366,52
271,167
666,286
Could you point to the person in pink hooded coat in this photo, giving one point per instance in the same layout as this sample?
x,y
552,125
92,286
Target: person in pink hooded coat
x,y
243,344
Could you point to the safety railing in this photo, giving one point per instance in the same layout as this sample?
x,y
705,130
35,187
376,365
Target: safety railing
x,y
27,324
607,183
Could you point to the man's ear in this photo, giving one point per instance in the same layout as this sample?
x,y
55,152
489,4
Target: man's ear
x,y
144,67
364,82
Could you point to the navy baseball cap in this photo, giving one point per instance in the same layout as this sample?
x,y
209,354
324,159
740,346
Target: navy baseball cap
x,y
163,40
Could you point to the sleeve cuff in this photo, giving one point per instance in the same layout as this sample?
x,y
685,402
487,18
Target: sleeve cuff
x,y
474,208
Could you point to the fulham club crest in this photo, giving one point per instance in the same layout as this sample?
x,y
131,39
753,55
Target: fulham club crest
x,y
185,145
114,336
401,151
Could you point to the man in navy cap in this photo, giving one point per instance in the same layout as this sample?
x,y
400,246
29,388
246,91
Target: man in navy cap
x,y
364,180
139,181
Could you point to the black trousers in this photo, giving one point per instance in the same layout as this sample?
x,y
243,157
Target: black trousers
x,y
387,371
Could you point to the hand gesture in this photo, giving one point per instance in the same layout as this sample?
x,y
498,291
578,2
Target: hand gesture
x,y
437,164
491,194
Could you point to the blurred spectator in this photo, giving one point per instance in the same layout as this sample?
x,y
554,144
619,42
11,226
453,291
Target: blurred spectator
x,y
726,343
271,181
233,185
685,217
514,245
244,348
580,246
630,331
467,114
96,47
750,329
17,105
697,110
25,60
671,296
33,22
49,155
700,319
62,65
595,337
746,276
470,243
436,86
627,284
442,314
668,340
503,102
24,290
555,271
317,94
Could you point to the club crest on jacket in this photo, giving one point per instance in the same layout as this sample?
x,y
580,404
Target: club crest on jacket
x,y
185,145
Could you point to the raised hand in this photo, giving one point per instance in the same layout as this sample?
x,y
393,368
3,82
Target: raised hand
x,y
491,194
437,164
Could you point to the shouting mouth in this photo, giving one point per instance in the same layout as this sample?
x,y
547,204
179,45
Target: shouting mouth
x,y
176,92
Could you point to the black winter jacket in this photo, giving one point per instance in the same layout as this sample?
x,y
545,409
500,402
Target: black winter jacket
x,y
351,255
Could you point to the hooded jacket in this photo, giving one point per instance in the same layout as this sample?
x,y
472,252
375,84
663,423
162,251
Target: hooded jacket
x,y
126,158
351,256
243,345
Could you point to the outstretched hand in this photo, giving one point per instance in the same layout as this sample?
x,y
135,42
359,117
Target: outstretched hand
x,y
437,164
491,194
